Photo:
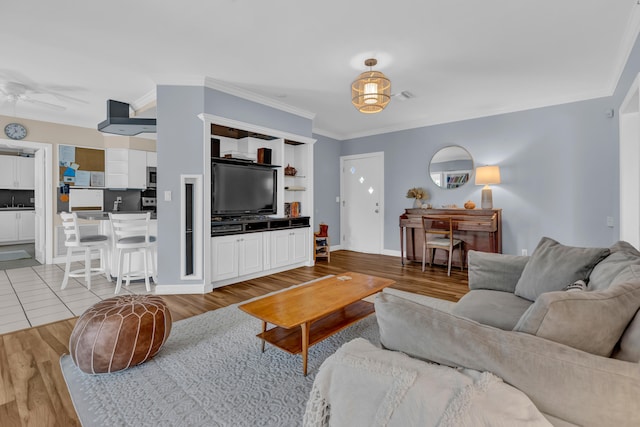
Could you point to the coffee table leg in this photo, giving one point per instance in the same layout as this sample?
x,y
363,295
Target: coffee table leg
x,y
305,346
264,329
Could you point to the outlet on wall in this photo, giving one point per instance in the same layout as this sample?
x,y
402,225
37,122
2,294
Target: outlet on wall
x,y
524,252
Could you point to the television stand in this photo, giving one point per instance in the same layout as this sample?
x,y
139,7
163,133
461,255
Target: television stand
x,y
221,226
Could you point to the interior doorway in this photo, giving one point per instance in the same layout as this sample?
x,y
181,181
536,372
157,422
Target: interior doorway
x,y
41,250
362,206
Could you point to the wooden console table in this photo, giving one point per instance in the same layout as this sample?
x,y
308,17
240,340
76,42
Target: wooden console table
x,y
479,229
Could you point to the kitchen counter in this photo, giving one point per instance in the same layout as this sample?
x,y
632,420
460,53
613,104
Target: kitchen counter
x,y
103,215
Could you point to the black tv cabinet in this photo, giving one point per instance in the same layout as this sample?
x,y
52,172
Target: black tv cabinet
x,y
238,225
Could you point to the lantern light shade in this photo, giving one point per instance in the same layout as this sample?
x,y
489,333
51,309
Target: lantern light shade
x,y
371,91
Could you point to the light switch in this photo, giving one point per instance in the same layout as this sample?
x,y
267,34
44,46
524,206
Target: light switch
x,y
167,196
337,199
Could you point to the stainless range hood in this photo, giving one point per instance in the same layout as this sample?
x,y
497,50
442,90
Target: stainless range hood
x,y
118,121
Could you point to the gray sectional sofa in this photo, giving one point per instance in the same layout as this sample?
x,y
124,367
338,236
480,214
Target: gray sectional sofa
x,y
572,349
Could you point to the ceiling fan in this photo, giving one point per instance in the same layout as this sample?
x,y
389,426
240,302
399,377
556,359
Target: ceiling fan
x,y
15,92
15,87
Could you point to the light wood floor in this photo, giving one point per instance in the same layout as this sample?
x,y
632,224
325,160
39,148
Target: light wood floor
x,y
33,391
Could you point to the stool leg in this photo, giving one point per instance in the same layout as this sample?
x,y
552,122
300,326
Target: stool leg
x,y
67,269
128,278
119,271
87,267
145,253
154,267
424,254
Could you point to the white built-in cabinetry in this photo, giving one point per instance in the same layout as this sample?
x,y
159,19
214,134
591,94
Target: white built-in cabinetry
x,y
17,226
17,172
238,257
289,247
152,159
126,168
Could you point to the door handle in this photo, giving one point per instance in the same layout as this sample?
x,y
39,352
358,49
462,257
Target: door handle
x,y
376,211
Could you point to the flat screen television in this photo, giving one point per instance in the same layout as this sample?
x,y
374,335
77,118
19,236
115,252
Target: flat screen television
x,y
242,190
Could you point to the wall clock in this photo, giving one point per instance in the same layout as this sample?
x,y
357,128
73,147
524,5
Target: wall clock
x,y
15,131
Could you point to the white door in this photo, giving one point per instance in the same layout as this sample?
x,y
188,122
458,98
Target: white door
x,y
300,245
362,207
8,226
280,247
27,225
39,203
25,173
7,172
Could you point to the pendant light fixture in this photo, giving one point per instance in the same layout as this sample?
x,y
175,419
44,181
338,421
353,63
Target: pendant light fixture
x,y
371,91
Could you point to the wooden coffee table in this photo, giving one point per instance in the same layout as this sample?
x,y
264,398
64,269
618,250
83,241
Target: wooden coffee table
x,y
319,309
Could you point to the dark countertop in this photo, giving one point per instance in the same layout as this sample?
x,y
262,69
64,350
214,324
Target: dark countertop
x,y
15,208
104,215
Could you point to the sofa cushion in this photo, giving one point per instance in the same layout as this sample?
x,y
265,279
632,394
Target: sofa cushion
x,y
603,274
628,347
498,272
494,308
553,266
594,390
589,321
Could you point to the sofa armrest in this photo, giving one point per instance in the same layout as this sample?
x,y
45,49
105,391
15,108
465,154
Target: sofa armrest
x,y
496,272
566,383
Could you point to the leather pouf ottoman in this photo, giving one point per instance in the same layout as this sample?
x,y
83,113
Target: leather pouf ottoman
x,y
119,332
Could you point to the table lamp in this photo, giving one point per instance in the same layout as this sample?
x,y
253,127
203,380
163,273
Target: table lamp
x,y
486,175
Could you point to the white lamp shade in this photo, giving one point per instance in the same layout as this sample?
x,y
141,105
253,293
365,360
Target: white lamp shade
x,y
487,175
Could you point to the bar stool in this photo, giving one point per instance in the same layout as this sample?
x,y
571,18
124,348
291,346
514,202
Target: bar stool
x,y
75,243
131,234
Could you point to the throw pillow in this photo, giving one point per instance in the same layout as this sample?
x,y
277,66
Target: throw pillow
x,y
603,274
589,321
553,265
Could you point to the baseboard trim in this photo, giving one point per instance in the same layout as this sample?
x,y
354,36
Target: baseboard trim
x,y
391,252
176,289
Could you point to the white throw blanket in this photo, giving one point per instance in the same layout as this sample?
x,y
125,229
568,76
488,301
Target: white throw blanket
x,y
362,385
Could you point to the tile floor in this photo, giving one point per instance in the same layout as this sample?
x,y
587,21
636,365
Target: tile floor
x,y
31,296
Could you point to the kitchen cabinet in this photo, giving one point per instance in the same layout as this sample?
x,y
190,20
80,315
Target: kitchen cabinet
x,y
126,168
17,226
289,247
17,172
236,255
152,159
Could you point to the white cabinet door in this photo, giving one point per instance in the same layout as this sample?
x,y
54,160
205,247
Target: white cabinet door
x,y
299,246
250,251
224,257
25,173
7,172
152,159
137,169
117,168
27,225
8,227
280,248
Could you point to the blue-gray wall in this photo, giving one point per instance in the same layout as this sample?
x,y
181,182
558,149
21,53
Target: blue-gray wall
x,y
559,167
180,139
326,185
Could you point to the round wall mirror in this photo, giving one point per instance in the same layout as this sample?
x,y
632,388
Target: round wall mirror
x,y
451,167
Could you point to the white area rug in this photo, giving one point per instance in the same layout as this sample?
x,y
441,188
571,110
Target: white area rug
x,y
14,255
209,373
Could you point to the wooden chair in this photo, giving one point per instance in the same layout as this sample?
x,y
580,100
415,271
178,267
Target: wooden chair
x,y
442,227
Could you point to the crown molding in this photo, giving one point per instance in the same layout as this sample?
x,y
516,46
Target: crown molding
x,y
255,97
144,100
624,52
327,133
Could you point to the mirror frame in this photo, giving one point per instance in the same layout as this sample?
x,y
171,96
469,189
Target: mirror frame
x,y
453,178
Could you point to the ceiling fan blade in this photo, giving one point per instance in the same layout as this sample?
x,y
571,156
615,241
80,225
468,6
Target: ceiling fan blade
x,y
44,104
67,97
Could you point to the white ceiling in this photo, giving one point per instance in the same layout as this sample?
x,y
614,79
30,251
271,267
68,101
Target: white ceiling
x,y
460,59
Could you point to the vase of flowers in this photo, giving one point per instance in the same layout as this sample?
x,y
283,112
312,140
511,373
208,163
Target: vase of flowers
x,y
419,195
